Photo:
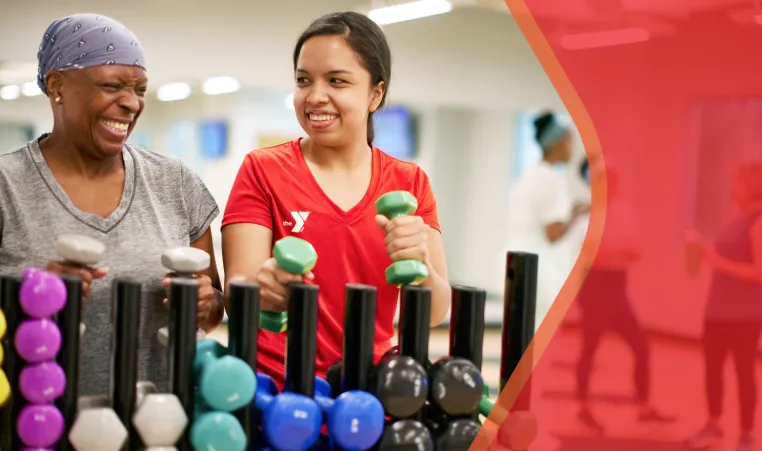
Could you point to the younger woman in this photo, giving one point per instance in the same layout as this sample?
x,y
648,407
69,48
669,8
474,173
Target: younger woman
x,y
323,189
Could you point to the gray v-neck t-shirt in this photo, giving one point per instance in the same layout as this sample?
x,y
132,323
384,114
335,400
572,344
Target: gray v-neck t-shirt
x,y
164,205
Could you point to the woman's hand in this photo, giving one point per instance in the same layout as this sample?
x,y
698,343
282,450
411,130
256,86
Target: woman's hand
x,y
696,251
87,274
406,238
578,210
207,297
272,281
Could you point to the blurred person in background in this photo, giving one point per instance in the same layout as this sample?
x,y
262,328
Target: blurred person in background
x,y
733,313
342,70
603,298
83,178
541,211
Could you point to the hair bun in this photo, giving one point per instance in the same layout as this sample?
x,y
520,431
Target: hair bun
x,y
542,122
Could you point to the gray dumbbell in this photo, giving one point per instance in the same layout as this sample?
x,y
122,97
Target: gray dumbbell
x,y
79,250
185,262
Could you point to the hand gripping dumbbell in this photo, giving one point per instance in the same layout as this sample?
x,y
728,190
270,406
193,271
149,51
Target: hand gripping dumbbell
x,y
79,250
224,383
184,262
355,418
293,255
401,272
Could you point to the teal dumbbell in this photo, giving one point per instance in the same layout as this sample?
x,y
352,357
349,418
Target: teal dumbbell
x,y
218,431
293,255
401,272
223,382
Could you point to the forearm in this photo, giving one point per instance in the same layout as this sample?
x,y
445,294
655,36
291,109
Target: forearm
x,y
746,271
440,296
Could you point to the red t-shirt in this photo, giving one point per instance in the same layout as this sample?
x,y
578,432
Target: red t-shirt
x,y
275,188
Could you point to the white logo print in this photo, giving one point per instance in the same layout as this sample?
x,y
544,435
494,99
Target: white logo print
x,y
300,217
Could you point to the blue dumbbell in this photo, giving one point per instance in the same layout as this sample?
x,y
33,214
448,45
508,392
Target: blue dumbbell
x,y
290,422
224,382
355,418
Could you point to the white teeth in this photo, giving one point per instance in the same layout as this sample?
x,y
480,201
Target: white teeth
x,y
322,117
116,126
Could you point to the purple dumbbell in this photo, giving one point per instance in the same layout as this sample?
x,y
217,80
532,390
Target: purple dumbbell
x,y
42,295
42,383
38,340
40,426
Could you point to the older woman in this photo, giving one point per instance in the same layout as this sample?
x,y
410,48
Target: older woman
x,y
83,178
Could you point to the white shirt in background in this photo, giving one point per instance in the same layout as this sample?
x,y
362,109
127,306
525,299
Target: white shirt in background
x,y
539,198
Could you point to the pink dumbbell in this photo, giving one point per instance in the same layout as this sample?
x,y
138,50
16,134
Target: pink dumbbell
x,y
38,341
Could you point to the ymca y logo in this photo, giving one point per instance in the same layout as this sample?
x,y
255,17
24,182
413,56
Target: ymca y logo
x,y
300,217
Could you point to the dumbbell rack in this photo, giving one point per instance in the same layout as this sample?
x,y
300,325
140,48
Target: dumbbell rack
x,y
466,340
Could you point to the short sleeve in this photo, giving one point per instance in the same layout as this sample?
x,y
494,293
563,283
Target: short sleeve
x,y
249,201
427,204
200,205
553,203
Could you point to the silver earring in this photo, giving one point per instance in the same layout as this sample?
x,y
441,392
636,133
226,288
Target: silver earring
x,y
58,100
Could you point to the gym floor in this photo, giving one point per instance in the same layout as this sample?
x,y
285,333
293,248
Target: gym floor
x,y
680,393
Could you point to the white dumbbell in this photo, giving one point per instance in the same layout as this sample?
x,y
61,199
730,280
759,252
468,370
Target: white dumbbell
x,y
185,262
144,388
97,427
160,421
79,250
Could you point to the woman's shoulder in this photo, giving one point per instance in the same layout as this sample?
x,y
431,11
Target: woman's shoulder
x,y
284,153
396,167
16,164
153,160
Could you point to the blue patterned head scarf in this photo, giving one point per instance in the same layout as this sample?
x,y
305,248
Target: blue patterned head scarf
x,y
86,40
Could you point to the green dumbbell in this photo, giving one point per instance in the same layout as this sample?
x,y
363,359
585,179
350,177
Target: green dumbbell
x,y
401,272
486,405
293,255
